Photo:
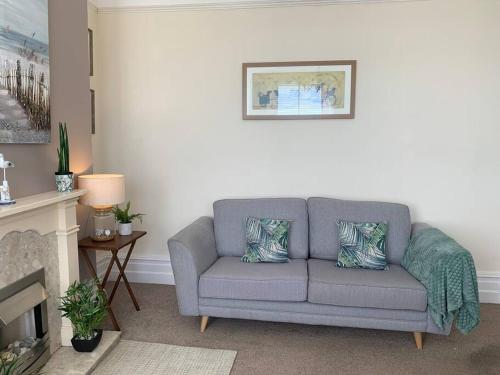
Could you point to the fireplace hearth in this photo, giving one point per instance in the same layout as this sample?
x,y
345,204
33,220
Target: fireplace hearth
x,y
24,336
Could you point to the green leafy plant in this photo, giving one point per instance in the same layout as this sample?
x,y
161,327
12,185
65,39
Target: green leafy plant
x,y
84,304
63,150
123,216
12,367
9,367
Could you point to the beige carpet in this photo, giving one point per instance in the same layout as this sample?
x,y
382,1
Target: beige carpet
x,y
266,348
142,358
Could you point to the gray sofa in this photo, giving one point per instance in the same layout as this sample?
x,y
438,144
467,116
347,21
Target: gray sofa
x,y
212,282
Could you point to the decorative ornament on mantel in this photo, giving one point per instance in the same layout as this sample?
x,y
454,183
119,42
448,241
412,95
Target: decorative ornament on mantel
x,y
64,178
4,188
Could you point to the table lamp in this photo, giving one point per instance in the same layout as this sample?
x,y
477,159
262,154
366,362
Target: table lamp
x,y
103,192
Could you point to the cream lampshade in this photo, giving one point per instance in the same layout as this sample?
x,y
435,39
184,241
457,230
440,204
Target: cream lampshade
x,y
103,192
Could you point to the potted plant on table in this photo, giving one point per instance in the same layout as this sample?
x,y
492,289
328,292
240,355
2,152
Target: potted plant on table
x,y
84,304
64,178
124,219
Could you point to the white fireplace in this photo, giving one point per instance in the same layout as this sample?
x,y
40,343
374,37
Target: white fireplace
x,y
40,232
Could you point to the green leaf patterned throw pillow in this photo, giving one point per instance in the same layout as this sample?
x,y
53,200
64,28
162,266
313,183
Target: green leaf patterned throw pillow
x,y
362,245
267,240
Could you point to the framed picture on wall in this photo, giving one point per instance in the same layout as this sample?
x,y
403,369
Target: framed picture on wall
x,y
24,72
92,109
91,52
299,90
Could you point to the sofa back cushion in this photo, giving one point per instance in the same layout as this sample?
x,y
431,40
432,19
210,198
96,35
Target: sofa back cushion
x,y
324,213
229,223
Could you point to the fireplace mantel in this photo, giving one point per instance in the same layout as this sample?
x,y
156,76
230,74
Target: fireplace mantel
x,y
45,213
17,216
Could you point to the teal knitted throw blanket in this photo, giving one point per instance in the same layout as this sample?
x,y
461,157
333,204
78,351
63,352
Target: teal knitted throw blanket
x,y
447,271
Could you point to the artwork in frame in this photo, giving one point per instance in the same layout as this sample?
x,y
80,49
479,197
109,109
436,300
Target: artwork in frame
x,y
92,110
24,72
91,52
299,90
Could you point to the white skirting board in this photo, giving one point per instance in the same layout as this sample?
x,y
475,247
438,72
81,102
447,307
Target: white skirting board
x,y
489,287
141,270
159,271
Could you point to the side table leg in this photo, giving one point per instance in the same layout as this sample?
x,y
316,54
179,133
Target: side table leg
x,y
125,280
117,282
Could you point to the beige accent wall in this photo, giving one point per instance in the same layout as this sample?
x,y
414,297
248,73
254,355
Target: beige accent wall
x,y
70,102
425,134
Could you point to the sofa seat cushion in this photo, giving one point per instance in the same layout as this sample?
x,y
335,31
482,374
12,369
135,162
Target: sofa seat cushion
x,y
394,288
230,278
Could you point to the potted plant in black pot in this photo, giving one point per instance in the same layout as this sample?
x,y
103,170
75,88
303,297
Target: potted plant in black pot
x,y
64,178
84,304
125,218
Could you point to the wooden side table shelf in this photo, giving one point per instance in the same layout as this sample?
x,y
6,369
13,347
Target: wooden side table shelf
x,y
112,246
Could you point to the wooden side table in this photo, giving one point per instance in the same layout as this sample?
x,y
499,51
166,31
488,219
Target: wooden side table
x,y
113,246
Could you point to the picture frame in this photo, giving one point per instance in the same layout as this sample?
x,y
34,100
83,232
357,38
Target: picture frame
x,y
24,72
92,109
91,52
302,90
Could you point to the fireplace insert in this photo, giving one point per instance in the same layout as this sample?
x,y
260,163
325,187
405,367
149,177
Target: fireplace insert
x,y
24,337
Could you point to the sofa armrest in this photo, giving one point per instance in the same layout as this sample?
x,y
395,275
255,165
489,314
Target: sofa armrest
x,y
192,252
415,227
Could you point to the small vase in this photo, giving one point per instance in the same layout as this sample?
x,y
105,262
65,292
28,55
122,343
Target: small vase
x,y
64,182
86,346
125,229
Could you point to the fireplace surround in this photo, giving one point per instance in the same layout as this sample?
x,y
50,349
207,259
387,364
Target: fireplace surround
x,y
40,231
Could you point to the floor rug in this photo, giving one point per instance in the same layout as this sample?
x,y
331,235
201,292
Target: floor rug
x,y
143,358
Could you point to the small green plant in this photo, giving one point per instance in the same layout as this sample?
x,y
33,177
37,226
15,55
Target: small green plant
x,y
12,366
123,216
9,367
63,150
84,304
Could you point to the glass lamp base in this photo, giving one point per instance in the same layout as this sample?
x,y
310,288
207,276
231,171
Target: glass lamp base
x,y
104,225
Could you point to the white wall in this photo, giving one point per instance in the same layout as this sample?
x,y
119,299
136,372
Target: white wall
x,y
426,131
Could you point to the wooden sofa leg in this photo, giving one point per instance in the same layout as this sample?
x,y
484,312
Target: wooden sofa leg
x,y
204,322
418,339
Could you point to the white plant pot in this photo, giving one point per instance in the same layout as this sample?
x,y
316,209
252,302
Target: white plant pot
x,y
125,229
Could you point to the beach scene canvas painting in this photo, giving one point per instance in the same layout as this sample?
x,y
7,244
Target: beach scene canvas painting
x,y
300,90
24,72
